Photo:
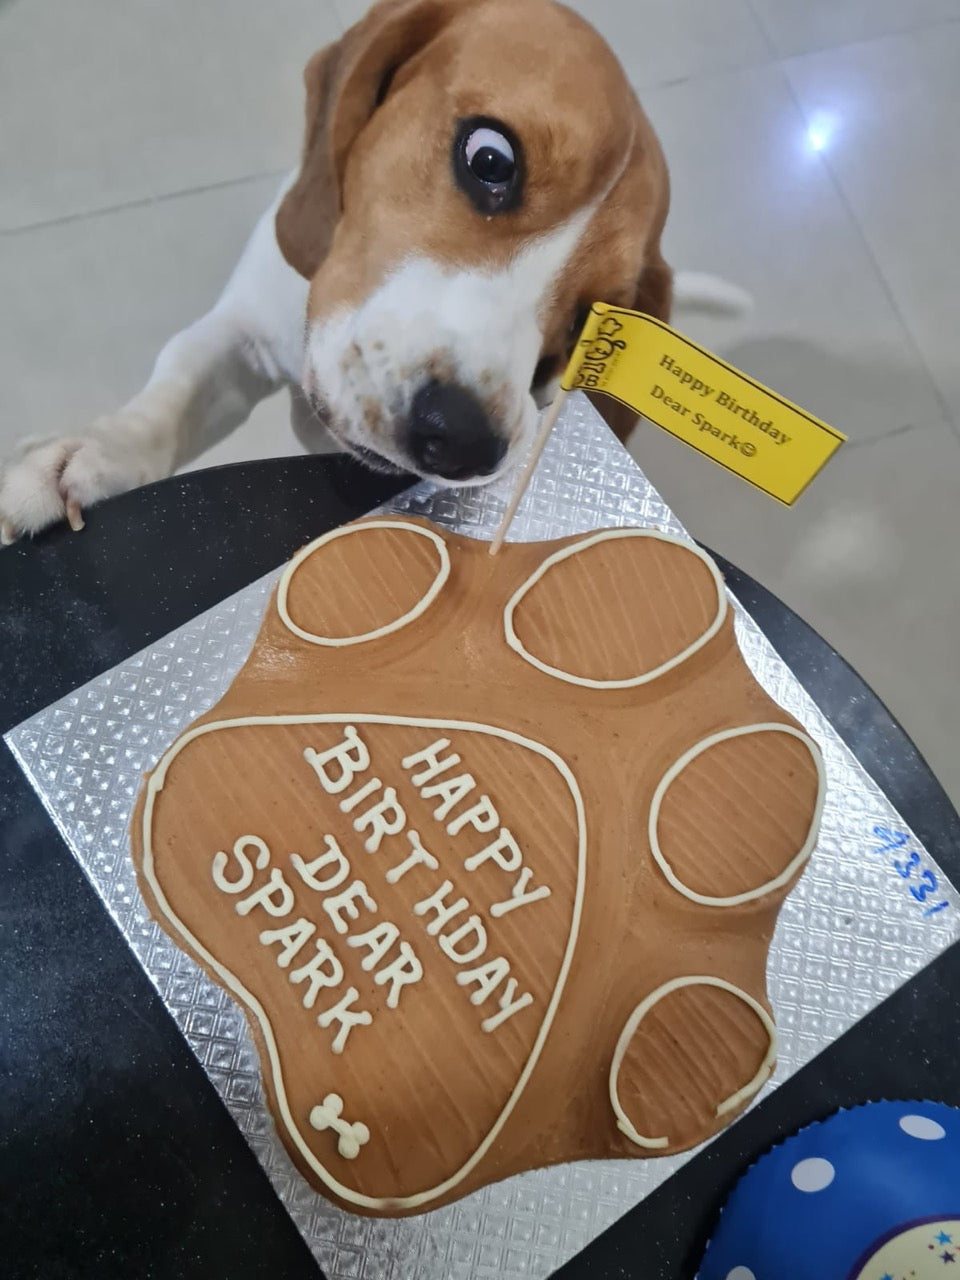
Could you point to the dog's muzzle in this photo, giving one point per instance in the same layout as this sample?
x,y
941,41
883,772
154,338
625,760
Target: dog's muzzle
x,y
450,435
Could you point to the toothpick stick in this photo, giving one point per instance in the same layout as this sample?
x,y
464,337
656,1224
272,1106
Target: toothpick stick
x,y
549,420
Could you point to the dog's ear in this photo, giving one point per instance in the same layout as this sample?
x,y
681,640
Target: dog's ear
x,y
654,293
654,297
345,83
654,289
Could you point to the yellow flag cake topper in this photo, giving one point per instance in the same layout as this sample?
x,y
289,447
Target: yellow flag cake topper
x,y
700,399
696,396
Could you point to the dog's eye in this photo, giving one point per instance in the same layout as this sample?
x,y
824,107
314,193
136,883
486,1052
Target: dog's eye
x,y
490,157
488,165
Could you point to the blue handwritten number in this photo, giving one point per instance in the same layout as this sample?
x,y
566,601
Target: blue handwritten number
x,y
892,839
923,891
907,871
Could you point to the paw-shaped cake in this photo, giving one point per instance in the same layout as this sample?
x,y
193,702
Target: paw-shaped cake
x,y
490,850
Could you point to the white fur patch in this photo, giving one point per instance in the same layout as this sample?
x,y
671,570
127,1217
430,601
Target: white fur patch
x,y
481,329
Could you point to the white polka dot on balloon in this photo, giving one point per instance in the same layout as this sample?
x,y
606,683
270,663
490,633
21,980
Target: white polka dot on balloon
x,y
814,1174
922,1127
741,1273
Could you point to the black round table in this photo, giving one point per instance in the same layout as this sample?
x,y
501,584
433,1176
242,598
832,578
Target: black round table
x,y
117,1159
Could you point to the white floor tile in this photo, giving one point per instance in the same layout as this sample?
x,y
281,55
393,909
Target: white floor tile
x,y
350,11
103,103
89,303
868,556
799,26
895,107
662,40
753,202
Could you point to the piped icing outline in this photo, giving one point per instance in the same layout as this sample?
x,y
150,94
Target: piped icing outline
x,y
237,989
606,535
792,867
340,642
624,1123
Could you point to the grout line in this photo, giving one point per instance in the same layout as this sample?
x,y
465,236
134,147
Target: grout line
x,y
872,38
747,63
887,288
142,202
773,58
641,87
905,429
761,26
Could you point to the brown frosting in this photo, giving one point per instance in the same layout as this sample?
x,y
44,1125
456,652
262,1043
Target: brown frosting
x,y
458,969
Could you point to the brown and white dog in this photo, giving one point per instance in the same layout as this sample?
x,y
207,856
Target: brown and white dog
x,y
475,174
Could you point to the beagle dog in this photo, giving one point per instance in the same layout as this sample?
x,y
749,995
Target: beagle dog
x,y
475,173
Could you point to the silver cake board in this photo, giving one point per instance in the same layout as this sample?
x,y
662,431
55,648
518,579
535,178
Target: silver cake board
x,y
851,933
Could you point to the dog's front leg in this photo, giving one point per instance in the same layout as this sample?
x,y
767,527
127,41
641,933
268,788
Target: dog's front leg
x,y
206,381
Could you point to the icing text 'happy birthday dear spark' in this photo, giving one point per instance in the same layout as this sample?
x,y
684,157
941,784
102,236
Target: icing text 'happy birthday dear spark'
x,y
345,771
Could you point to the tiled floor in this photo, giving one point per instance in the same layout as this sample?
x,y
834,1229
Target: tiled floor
x,y
815,154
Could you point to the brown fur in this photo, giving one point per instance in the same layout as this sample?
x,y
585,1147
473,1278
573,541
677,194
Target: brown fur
x,y
375,182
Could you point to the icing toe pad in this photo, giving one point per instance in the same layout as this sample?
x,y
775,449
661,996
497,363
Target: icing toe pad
x,y
665,1091
737,815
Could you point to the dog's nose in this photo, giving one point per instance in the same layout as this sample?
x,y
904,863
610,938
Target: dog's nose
x,y
450,435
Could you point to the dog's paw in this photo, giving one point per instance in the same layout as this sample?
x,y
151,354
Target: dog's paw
x,y
51,480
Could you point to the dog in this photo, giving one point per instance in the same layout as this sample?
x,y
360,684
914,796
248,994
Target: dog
x,y
474,174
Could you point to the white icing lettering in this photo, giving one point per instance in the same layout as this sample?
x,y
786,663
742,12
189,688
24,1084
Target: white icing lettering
x,y
292,1122
482,816
348,757
345,903
309,872
368,789
451,791
404,970
293,936
322,970
385,818
350,1137
347,1019
487,976
430,756
508,1006
450,941
418,857
504,851
240,849
378,942
274,895
519,896
444,911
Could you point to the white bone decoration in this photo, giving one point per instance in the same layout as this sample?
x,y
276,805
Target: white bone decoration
x,y
350,1137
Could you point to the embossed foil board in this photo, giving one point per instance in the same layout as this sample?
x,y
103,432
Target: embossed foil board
x,y
865,917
